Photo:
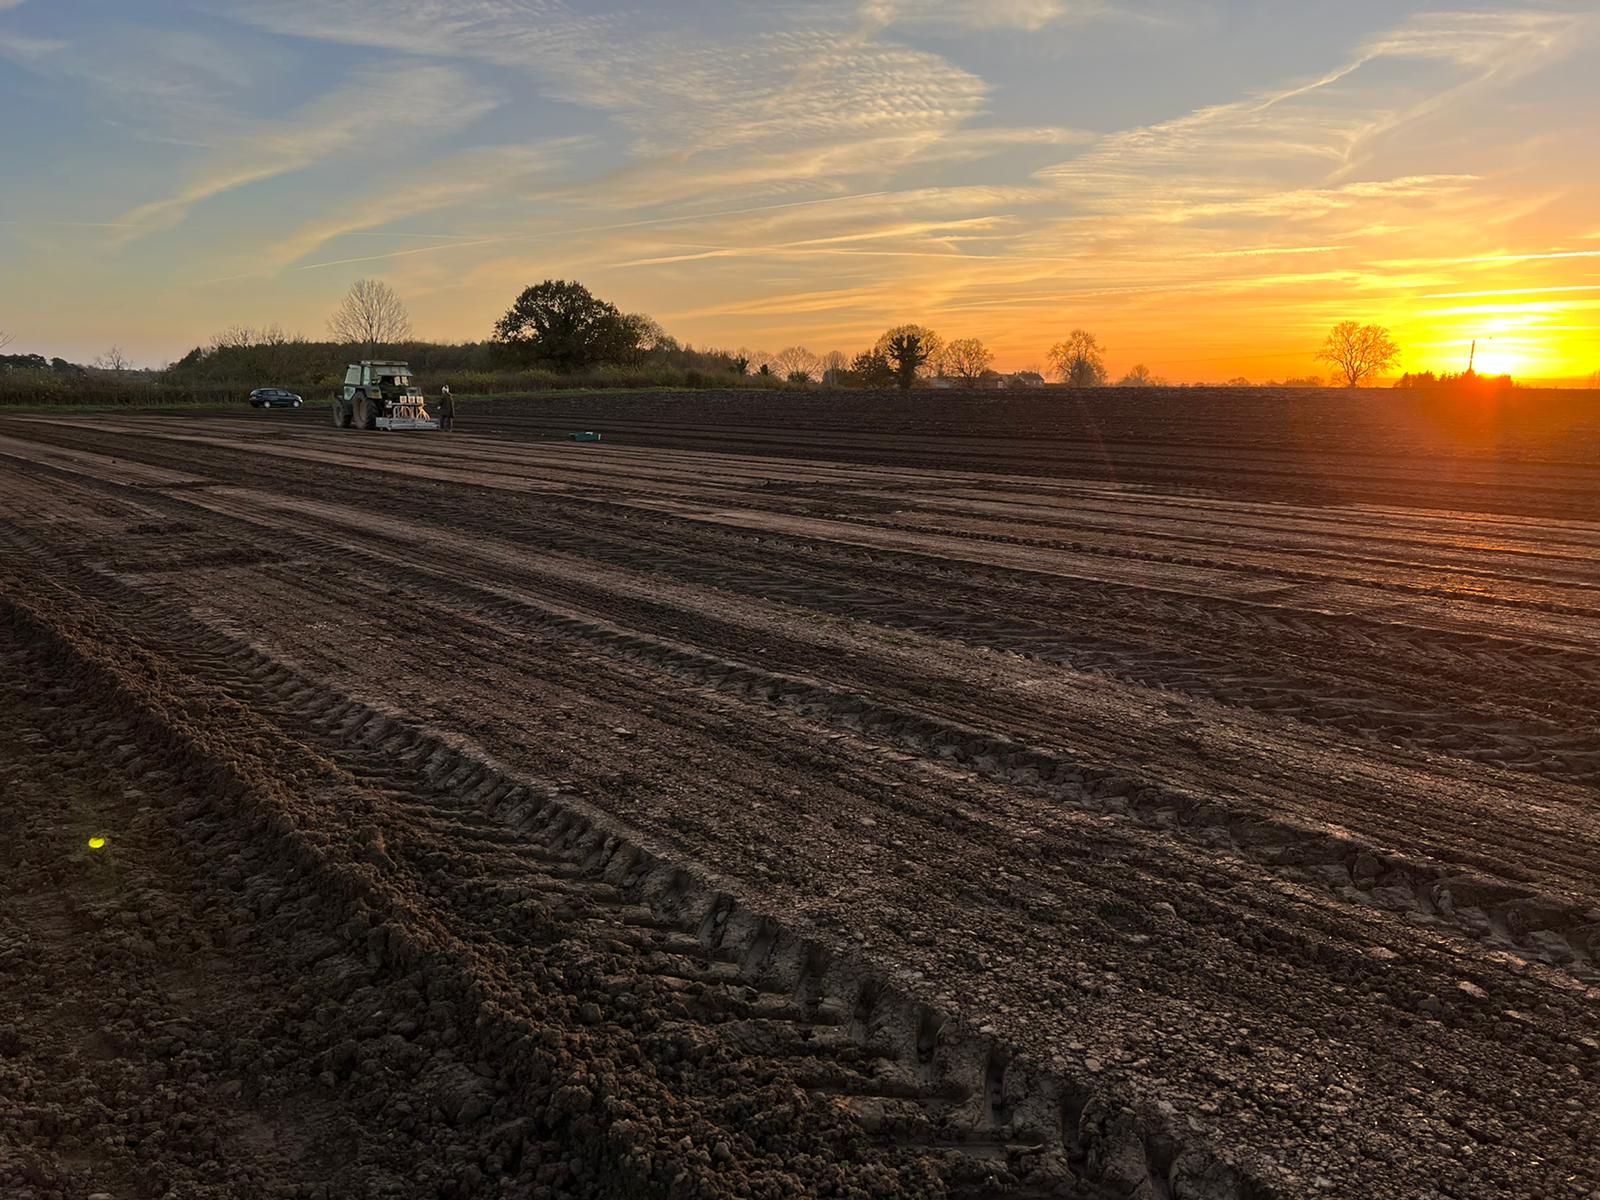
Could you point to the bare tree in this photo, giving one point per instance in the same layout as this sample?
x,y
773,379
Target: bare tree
x,y
244,337
834,364
370,315
1141,376
966,359
760,361
1080,360
113,359
1358,352
6,339
234,337
796,364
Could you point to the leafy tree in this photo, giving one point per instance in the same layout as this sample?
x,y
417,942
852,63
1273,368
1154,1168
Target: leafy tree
x,y
910,350
1467,382
562,325
1419,379
1237,381
1141,376
1080,360
871,369
917,341
908,354
967,359
643,336
1358,352
371,315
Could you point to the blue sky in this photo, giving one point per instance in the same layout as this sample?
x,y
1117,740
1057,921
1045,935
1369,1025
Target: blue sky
x,y
1206,184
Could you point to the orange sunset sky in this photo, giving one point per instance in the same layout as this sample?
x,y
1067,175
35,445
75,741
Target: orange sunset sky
x,y
1207,185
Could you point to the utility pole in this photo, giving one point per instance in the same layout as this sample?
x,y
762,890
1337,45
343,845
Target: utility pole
x,y
1473,357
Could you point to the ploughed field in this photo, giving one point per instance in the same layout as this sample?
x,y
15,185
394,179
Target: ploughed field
x,y
1189,795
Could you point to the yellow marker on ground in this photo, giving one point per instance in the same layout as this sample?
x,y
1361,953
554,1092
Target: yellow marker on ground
x,y
97,843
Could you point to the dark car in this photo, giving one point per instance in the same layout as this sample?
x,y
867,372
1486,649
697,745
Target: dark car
x,y
273,398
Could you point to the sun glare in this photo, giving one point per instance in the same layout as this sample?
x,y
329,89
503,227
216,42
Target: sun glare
x,y
1495,362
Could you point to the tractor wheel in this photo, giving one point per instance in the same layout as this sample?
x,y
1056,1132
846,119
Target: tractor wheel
x,y
366,415
341,414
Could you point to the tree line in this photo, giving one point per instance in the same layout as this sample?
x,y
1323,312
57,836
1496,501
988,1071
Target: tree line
x,y
560,323
558,332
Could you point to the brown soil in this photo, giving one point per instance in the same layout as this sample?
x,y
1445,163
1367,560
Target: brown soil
x,y
803,797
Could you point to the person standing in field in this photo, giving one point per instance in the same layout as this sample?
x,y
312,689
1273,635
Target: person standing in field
x,y
447,409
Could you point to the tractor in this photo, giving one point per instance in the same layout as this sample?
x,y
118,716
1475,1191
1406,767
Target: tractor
x,y
379,395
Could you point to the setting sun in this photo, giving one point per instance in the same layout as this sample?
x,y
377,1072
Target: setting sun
x,y
1527,338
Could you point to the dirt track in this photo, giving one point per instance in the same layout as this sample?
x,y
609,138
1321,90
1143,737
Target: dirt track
x,y
765,802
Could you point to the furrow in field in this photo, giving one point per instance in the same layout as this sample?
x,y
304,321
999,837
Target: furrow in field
x,y
1106,762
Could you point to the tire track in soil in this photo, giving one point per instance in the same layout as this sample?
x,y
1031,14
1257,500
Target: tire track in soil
x,y
510,864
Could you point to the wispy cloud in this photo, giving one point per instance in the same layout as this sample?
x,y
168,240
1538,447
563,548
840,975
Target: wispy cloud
x,y
943,232
806,102
568,233
1027,15
1250,145
373,108
448,183
27,49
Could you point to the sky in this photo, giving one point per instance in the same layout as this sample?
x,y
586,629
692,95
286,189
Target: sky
x,y
1205,185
